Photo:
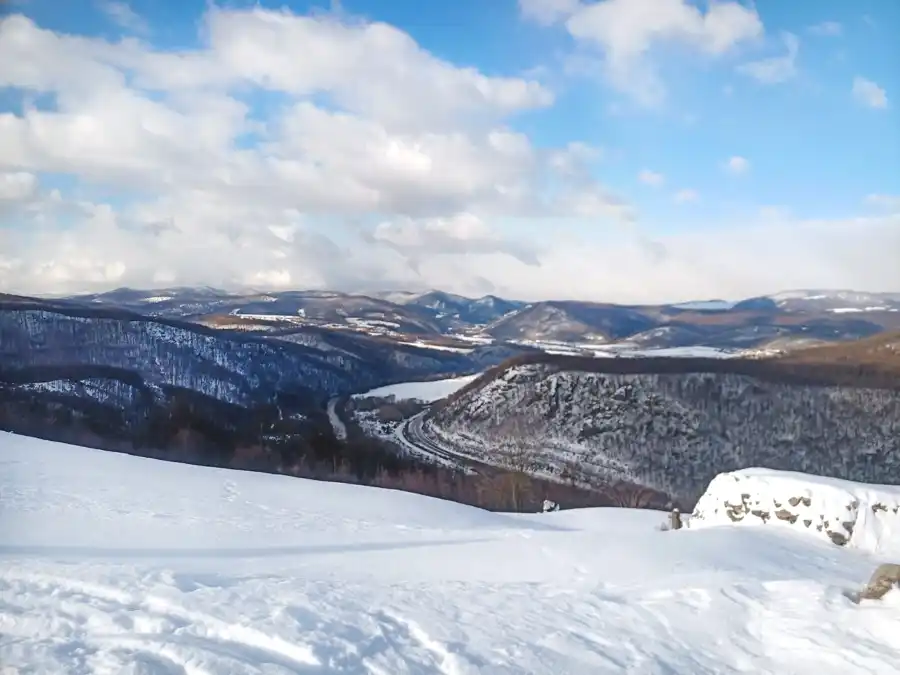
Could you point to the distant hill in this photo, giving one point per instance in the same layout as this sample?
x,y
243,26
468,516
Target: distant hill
x,y
118,377
784,318
672,424
879,352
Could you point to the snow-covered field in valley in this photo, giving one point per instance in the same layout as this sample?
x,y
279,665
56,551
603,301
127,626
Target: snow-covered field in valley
x,y
427,392
116,564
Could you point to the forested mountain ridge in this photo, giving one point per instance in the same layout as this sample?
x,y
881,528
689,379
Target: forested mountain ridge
x,y
234,367
109,377
673,424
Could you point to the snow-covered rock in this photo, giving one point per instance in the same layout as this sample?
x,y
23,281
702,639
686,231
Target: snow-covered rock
x,y
849,514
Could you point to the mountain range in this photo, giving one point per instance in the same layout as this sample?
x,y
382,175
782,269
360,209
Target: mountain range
x,y
776,321
246,379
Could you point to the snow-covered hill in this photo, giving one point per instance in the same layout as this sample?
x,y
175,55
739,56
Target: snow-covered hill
x,y
43,342
442,317
837,301
669,427
117,564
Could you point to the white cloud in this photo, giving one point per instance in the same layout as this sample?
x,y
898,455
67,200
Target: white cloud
x,y
379,165
889,203
627,31
17,186
372,69
726,262
827,29
686,196
124,16
775,69
772,214
651,177
462,253
370,128
869,93
463,234
547,12
369,156
737,165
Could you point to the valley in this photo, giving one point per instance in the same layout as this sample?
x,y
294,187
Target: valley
x,y
331,384
666,424
534,337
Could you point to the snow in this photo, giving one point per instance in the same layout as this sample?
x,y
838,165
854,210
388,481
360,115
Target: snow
x,y
690,352
842,512
625,350
117,564
710,305
437,347
337,424
478,338
287,318
427,392
874,308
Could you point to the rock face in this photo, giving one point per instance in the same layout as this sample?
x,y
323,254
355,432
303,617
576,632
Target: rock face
x,y
885,578
842,512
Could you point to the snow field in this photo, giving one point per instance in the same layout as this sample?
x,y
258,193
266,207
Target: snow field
x,y
117,564
427,392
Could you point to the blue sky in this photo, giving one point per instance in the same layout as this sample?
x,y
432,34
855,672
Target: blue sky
x,y
697,137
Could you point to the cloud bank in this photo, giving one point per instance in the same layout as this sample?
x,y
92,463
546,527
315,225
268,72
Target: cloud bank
x,y
291,151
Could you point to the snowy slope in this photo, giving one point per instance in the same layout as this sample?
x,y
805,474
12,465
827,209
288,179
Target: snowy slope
x,y
426,392
117,564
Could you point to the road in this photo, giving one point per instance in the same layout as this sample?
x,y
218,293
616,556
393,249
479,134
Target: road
x,y
337,424
412,434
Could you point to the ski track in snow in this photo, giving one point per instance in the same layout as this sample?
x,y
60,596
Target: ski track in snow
x,y
114,564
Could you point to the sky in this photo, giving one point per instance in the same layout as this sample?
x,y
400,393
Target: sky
x,y
633,151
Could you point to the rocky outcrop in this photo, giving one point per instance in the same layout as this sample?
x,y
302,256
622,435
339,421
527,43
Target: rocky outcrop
x,y
885,578
842,512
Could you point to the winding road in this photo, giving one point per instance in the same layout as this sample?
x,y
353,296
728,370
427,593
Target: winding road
x,y
411,433
337,424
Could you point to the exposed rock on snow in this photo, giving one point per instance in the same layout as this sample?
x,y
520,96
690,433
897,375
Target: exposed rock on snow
x,y
884,579
847,514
